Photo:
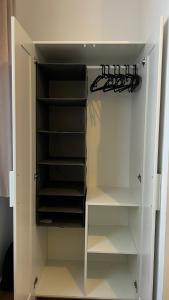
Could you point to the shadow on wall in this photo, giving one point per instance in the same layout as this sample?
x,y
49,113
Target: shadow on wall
x,y
6,228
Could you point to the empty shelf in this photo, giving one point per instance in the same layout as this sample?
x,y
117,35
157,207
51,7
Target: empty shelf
x,y
61,280
66,280
60,224
65,189
110,239
61,192
63,162
64,101
120,51
53,209
110,281
108,196
105,281
60,132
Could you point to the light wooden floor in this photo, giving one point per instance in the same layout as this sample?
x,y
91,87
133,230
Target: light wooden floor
x,y
6,295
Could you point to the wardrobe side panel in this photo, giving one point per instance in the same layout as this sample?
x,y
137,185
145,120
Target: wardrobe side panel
x,y
39,234
138,124
23,114
21,92
149,204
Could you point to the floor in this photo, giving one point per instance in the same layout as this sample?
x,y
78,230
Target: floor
x,y
6,295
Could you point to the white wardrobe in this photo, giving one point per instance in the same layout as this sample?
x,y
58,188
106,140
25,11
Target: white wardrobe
x,y
112,255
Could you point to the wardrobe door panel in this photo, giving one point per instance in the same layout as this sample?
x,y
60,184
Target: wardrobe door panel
x,y
22,66
149,200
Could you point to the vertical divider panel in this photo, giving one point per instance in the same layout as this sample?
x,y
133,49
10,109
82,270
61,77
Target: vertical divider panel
x,y
86,244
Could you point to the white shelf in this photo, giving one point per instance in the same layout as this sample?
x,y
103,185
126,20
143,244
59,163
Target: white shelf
x,y
108,196
110,281
110,239
63,279
90,52
105,281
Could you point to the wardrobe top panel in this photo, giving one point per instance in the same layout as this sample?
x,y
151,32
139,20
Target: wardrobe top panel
x,y
89,53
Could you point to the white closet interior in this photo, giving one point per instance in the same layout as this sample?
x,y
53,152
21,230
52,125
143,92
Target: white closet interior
x,y
101,260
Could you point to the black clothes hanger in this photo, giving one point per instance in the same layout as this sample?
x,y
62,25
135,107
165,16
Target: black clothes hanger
x,y
120,81
127,80
136,79
111,82
94,86
117,81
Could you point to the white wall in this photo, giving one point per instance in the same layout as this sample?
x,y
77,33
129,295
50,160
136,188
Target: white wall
x,y
5,228
151,10
79,19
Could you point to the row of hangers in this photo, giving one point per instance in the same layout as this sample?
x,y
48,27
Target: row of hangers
x,y
120,79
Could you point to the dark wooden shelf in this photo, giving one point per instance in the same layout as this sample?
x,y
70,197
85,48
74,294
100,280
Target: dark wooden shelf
x,y
64,101
60,132
63,162
61,114
68,218
64,189
63,209
60,224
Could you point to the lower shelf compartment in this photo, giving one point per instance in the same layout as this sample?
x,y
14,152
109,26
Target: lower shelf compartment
x,y
105,281
60,219
61,209
110,281
61,280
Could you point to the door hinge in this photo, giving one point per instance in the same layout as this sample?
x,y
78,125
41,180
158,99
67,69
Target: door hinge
x,y
139,177
11,188
158,192
144,61
136,286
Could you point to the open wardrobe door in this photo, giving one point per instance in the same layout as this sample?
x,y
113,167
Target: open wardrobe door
x,y
150,175
22,73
